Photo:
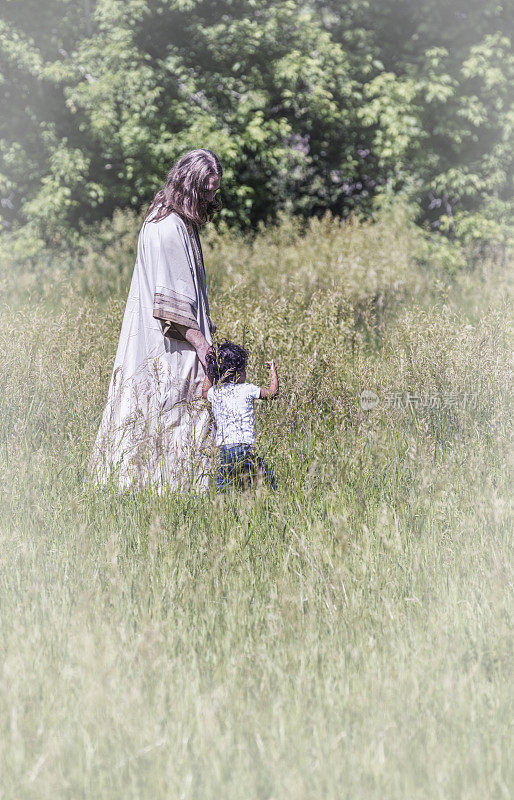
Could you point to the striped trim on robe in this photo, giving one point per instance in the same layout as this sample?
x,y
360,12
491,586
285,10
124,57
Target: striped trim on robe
x,y
172,307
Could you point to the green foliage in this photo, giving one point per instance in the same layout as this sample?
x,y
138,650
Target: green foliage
x,y
309,108
348,637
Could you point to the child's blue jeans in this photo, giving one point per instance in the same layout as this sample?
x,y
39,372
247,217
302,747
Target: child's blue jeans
x,y
238,460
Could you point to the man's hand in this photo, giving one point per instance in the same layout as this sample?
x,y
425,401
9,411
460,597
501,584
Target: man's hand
x,y
206,386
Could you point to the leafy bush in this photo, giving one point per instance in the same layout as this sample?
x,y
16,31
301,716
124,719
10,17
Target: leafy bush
x,y
310,108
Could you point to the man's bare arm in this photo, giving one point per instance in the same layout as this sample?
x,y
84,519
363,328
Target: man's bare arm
x,y
192,335
199,342
273,386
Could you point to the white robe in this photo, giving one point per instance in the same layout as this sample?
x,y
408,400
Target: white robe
x,y
156,429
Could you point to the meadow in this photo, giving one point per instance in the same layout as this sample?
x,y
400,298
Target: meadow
x,y
351,635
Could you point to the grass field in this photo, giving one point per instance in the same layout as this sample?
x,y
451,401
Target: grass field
x,y
350,636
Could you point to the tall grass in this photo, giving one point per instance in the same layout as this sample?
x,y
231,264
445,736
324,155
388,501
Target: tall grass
x,y
349,636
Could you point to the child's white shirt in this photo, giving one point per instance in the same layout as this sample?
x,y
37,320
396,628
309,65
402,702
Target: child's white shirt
x,y
233,409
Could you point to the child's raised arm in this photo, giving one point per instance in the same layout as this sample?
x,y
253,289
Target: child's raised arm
x,y
273,384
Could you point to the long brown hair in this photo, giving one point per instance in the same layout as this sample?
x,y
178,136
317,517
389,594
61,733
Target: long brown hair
x,y
185,187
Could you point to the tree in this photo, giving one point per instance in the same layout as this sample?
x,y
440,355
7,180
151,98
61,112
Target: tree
x,y
310,105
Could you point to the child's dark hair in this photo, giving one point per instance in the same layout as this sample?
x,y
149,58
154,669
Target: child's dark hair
x,y
224,361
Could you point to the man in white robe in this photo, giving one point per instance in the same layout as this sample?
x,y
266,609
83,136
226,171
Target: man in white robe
x,y
156,428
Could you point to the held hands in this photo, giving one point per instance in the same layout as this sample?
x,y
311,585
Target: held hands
x,y
271,365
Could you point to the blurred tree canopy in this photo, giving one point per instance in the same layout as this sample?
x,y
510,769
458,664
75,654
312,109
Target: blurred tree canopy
x,y
310,105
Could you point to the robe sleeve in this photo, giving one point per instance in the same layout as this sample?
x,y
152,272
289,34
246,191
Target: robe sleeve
x,y
175,300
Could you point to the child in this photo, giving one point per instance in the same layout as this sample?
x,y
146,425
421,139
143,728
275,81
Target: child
x,y
232,401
